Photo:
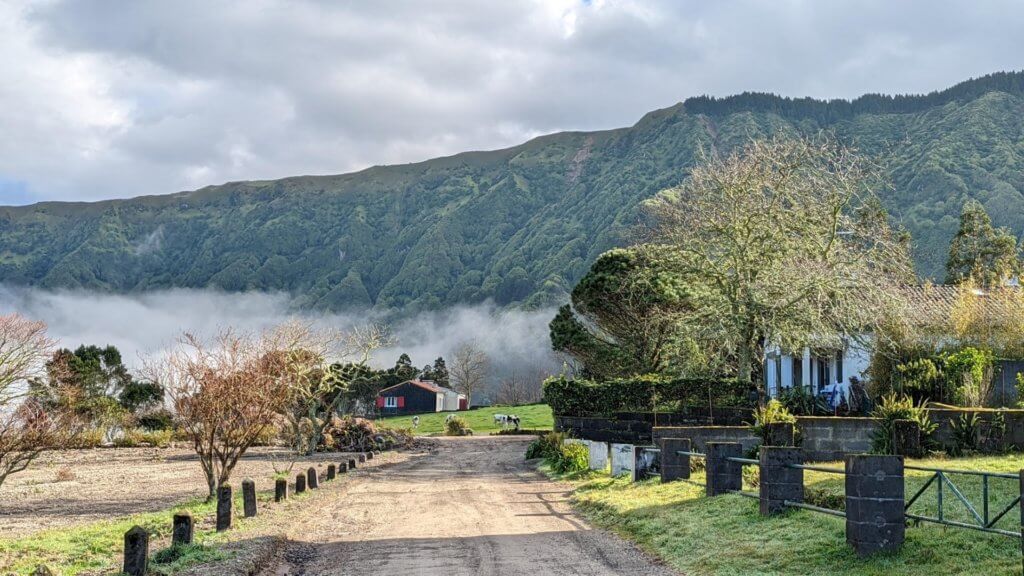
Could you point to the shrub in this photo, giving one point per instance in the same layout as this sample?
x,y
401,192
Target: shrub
x,y
160,419
771,413
456,426
546,446
965,430
351,434
892,408
570,458
139,437
640,394
802,402
969,372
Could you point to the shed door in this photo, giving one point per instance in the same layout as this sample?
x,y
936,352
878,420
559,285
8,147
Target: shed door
x,y
401,401
463,404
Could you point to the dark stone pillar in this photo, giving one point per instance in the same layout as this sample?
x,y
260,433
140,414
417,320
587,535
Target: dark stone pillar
x,y
248,498
369,455
352,464
330,471
674,466
342,468
781,434
223,508
874,503
311,479
779,482
182,529
906,438
300,483
362,458
136,552
280,490
723,475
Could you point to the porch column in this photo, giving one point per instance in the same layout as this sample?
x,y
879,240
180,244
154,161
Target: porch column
x,y
806,376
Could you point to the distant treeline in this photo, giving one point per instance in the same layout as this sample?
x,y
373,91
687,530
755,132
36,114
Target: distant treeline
x,y
830,111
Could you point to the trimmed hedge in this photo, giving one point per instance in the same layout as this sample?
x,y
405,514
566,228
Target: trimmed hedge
x,y
640,394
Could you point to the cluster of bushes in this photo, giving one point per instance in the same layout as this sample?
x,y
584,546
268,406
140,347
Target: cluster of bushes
x,y
351,434
564,458
456,426
962,377
642,394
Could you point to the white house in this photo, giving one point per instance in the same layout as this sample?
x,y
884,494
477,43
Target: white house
x,y
928,307
817,371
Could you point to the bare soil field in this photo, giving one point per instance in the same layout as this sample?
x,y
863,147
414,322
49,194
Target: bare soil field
x,y
468,507
69,487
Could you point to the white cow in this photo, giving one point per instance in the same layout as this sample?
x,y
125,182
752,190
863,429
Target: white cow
x,y
415,422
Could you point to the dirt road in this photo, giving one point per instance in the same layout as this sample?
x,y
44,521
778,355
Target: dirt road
x,y
470,507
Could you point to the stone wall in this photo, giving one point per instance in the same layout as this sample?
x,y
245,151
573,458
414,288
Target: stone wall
x,y
635,427
700,435
830,438
822,437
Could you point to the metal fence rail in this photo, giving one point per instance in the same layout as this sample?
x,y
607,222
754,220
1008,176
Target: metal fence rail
x,y
983,521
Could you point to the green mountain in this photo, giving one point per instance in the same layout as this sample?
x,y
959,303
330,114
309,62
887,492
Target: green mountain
x,y
519,225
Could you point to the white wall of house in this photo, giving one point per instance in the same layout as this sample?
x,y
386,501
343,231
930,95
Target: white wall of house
x,y
816,373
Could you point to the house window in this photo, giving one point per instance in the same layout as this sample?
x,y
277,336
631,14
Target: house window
x,y
391,401
798,371
839,367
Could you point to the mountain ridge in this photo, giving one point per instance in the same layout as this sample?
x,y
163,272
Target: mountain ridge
x,y
518,225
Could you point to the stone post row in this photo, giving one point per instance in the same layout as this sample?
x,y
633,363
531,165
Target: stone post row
x,y
330,471
874,503
352,464
300,483
675,466
311,479
342,468
280,490
723,475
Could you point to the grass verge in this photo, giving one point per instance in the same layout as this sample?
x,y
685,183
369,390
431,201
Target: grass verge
x,y
727,536
481,420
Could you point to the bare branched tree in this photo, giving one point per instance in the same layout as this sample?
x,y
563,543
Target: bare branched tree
x,y
783,241
318,389
225,394
519,388
468,370
26,428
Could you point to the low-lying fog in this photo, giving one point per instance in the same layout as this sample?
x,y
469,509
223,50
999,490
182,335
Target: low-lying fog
x,y
143,324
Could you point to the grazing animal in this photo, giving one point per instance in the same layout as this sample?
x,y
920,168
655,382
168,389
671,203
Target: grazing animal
x,y
514,421
415,422
501,420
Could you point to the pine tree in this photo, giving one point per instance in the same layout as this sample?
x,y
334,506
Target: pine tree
x,y
979,251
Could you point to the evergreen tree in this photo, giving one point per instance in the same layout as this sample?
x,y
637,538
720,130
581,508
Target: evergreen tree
x,y
439,373
979,251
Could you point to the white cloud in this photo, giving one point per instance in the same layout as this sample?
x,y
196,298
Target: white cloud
x,y
112,99
141,325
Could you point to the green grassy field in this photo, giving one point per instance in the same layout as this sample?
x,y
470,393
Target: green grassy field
x,y
727,536
481,420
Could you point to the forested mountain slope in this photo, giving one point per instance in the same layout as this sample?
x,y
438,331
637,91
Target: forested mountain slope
x,y
519,225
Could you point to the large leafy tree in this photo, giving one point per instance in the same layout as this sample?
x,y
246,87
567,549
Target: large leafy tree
x,y
979,251
786,243
96,383
625,314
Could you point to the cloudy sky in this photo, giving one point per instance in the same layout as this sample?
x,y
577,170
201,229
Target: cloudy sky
x,y
104,98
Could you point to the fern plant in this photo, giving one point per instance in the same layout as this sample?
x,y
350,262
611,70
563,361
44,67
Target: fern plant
x,y
895,407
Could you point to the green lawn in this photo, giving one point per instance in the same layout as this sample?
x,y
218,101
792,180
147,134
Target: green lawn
x,y
726,535
481,420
